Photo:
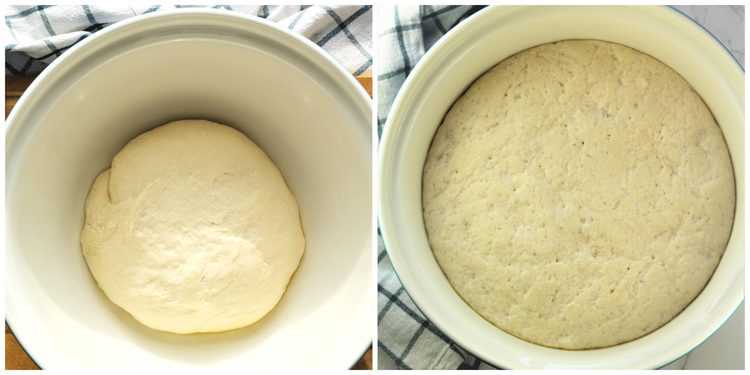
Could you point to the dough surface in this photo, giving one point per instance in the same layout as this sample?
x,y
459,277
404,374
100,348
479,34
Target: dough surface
x,y
192,229
578,195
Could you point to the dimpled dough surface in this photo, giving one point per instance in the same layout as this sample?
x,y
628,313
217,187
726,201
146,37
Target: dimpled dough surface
x,y
578,195
193,229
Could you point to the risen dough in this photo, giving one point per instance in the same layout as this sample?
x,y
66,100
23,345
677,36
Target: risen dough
x,y
579,194
193,229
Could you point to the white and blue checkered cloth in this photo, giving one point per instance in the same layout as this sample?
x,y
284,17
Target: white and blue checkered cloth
x,y
35,35
406,339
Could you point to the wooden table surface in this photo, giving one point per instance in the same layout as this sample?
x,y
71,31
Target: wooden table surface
x,y
15,357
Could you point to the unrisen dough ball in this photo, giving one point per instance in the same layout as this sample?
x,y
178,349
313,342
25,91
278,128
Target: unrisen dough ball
x,y
193,229
579,194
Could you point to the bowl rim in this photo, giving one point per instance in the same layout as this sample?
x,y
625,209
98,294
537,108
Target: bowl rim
x,y
51,76
389,135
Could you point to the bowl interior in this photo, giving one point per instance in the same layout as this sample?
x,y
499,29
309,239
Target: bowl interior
x,y
284,95
451,65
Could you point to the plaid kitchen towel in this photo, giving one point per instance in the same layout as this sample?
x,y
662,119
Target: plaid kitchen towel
x,y
35,35
406,339
405,33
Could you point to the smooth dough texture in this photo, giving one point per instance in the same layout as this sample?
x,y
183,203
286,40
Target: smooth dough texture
x,y
579,194
193,229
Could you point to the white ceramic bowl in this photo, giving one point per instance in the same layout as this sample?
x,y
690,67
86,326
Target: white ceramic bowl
x,y
309,115
441,76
